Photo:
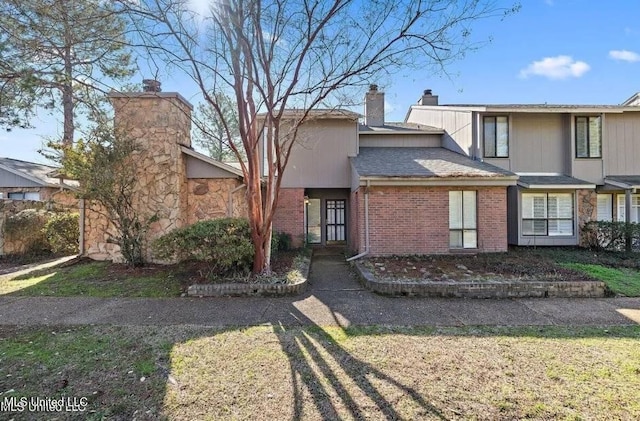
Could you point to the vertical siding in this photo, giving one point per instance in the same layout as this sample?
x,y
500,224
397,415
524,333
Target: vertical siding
x,y
9,179
320,157
457,125
401,140
621,144
536,143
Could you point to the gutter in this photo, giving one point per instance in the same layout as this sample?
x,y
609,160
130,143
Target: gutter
x,y
367,244
230,200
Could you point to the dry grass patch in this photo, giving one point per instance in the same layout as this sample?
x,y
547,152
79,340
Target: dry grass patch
x,y
279,372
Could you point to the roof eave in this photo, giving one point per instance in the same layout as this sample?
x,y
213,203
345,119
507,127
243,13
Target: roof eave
x,y
438,181
535,186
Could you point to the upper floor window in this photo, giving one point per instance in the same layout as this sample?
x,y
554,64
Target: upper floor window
x,y
496,136
588,137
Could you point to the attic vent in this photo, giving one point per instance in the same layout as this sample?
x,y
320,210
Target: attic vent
x,y
150,85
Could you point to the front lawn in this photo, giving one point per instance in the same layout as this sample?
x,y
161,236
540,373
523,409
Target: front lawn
x,y
104,279
620,271
282,372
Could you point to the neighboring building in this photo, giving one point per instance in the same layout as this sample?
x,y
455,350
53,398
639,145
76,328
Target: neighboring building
x,y
575,163
22,180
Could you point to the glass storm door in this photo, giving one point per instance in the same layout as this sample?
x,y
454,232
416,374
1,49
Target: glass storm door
x,y
335,220
313,221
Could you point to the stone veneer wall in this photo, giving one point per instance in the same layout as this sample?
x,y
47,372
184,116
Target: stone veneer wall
x,y
587,209
160,123
209,199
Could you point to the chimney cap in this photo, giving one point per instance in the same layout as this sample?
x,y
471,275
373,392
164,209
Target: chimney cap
x,y
427,92
151,85
373,87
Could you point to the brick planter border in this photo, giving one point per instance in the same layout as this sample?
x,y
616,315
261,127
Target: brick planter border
x,y
485,289
248,290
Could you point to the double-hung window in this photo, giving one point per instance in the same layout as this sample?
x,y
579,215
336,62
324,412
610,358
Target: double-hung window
x,y
547,214
588,137
496,136
463,227
635,208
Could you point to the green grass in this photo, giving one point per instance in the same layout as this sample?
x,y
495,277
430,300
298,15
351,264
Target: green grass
x,y
624,281
293,372
92,279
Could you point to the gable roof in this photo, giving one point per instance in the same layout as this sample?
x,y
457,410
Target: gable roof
x,y
37,173
221,165
423,163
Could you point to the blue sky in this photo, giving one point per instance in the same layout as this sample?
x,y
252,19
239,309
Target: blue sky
x,y
553,51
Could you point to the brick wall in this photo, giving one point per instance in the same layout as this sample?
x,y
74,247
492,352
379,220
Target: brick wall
x,y
415,220
289,215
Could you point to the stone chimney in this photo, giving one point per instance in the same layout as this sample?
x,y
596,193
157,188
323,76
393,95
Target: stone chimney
x,y
428,98
374,107
151,85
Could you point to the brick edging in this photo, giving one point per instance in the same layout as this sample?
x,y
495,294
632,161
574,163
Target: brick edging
x,y
488,289
247,290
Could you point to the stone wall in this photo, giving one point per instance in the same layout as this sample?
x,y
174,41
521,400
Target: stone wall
x,y
587,209
209,199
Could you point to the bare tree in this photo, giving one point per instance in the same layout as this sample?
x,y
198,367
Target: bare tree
x,y
282,59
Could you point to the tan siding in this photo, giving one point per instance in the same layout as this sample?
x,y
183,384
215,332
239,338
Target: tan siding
x,y
588,170
200,169
456,124
320,158
621,141
400,140
536,143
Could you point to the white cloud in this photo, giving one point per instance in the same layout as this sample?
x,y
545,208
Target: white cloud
x,y
560,67
624,55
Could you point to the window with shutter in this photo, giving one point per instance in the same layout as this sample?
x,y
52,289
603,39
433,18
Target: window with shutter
x,y
547,214
635,208
463,219
605,207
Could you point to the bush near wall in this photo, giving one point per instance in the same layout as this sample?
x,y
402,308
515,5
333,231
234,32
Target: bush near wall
x,y
611,236
223,243
24,234
62,232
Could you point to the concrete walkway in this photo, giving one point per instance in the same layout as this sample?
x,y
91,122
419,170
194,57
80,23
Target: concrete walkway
x,y
334,298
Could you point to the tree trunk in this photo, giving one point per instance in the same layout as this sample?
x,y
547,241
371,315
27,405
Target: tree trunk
x,y
67,89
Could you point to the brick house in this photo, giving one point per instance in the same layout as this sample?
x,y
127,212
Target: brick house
x,y
448,179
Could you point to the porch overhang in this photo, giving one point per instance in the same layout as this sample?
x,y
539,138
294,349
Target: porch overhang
x,y
624,182
553,182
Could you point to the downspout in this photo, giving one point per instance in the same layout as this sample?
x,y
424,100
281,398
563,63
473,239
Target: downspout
x,y
367,245
230,201
81,226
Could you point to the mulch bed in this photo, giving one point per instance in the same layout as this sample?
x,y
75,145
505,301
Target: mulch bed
x,y
482,267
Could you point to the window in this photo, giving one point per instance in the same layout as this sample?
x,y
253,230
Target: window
x,y
547,214
605,207
463,232
635,208
588,137
496,136
20,195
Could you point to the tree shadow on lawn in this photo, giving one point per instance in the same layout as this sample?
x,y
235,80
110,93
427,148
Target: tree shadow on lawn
x,y
313,346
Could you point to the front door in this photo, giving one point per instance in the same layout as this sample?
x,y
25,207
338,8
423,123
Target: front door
x,y
335,220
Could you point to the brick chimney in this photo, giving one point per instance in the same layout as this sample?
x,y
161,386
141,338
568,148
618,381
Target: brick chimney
x,y
374,107
428,98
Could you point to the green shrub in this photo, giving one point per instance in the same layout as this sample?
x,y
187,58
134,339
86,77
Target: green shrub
x,y
224,243
62,232
611,235
25,231
280,241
